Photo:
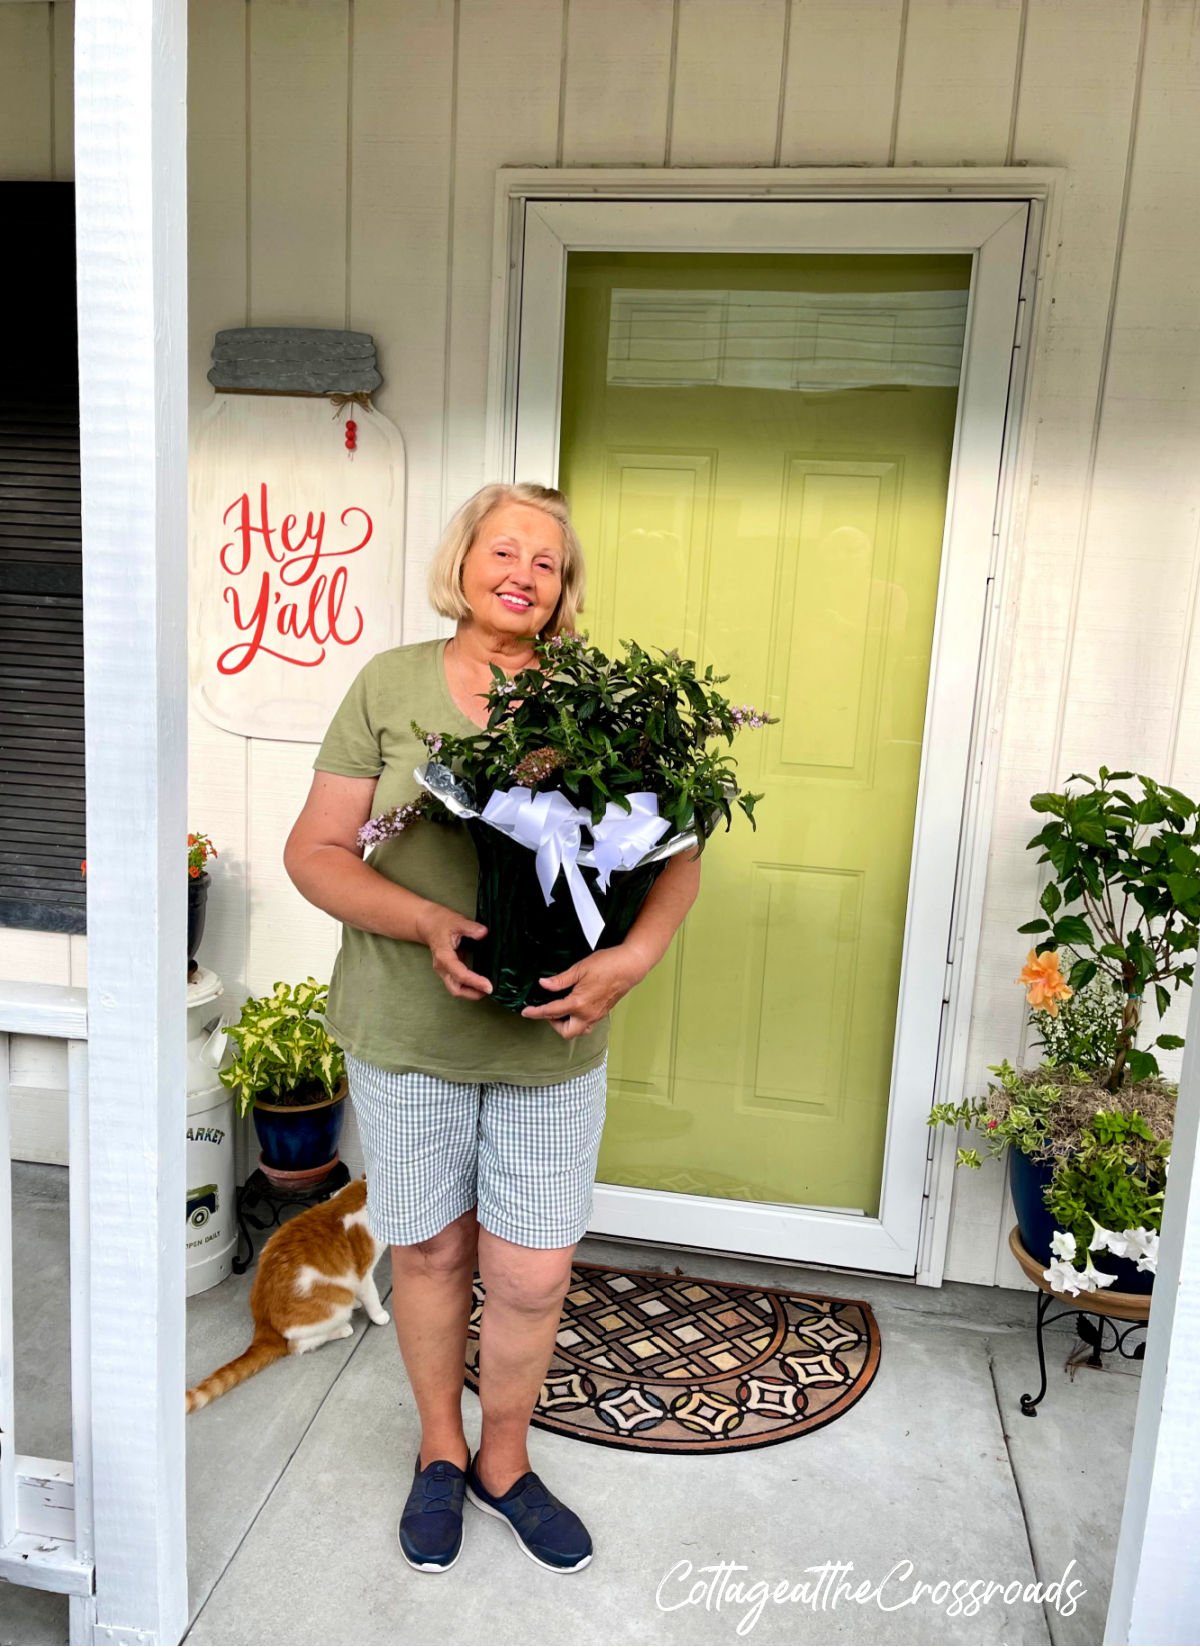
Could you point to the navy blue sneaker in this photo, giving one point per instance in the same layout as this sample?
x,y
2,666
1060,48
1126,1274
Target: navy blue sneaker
x,y
431,1530
546,1530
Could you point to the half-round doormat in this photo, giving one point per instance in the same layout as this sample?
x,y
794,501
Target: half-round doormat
x,y
677,1364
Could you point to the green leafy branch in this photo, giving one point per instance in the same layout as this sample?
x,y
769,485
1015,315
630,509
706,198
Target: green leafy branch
x,y
1125,895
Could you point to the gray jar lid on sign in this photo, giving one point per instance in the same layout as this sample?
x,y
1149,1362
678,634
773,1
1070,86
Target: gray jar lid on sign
x,y
300,360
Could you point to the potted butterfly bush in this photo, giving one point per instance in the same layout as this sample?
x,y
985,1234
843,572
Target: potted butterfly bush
x,y
591,774
290,1076
1088,1131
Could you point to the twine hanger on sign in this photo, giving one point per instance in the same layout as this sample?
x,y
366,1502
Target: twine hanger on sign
x,y
357,397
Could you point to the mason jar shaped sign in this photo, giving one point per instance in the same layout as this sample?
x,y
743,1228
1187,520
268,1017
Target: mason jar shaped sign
x,y
297,541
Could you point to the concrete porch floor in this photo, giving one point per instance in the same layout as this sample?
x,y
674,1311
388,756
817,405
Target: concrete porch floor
x,y
296,1479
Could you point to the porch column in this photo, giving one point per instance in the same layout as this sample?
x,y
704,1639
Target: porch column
x,y
1155,1596
131,191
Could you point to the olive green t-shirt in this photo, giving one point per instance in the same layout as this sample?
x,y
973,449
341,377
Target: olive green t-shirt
x,y
387,1006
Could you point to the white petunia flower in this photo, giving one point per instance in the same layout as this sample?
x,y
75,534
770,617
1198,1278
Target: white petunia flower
x,y
1064,1277
1062,1244
1139,1245
1102,1238
1093,1279
1142,1244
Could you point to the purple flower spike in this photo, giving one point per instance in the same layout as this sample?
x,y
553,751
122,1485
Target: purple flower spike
x,y
391,823
746,715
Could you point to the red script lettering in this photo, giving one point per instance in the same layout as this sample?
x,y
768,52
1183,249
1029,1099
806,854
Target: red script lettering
x,y
298,630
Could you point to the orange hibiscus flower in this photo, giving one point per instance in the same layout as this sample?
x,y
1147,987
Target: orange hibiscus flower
x,y
1045,984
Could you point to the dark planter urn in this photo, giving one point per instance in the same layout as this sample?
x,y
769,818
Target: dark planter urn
x,y
197,903
300,1138
527,938
1028,1180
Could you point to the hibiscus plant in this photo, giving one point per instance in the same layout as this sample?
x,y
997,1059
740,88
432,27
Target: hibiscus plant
x,y
1124,895
1120,916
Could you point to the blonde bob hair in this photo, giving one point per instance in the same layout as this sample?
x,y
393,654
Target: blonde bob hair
x,y
445,570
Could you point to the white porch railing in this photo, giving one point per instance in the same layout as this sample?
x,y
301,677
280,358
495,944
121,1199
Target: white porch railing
x,y
46,1505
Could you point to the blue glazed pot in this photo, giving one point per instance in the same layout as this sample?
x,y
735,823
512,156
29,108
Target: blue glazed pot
x,y
1028,1180
300,1137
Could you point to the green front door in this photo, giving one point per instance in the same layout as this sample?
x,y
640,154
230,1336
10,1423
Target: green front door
x,y
757,449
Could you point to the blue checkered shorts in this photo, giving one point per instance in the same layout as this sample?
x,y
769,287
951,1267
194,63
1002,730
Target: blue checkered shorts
x,y
524,1156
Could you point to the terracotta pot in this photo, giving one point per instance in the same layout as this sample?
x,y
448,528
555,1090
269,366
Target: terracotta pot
x,y
301,1181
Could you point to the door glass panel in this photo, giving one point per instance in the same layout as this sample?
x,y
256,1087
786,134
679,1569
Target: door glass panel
x,y
757,451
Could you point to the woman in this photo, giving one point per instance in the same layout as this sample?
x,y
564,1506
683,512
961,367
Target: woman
x,y
480,1127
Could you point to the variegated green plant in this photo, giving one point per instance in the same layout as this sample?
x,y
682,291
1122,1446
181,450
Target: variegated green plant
x,y
283,1045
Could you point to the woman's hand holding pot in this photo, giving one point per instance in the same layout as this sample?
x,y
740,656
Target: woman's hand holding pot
x,y
596,984
442,930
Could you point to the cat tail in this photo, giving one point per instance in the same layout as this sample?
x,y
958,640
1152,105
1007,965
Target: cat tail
x,y
268,1346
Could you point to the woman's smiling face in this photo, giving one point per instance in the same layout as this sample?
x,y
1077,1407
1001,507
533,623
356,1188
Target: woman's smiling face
x,y
512,573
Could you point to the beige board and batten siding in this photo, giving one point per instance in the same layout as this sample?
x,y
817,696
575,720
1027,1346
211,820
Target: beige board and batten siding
x,y
342,173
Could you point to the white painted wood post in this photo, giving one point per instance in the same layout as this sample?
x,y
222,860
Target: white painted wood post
x,y
131,201
1155,1596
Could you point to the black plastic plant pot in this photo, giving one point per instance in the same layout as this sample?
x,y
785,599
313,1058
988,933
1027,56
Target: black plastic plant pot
x,y
527,938
197,904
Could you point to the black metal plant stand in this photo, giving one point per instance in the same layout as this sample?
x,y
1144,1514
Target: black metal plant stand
x,y
1118,1314
258,1193
1093,1329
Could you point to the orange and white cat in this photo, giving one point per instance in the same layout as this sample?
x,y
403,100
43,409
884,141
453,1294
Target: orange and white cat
x,y
312,1274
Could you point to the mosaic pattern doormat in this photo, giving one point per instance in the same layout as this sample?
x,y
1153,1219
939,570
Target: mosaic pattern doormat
x,y
676,1364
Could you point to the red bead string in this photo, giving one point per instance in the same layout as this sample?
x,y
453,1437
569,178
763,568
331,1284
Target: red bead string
x,y
351,435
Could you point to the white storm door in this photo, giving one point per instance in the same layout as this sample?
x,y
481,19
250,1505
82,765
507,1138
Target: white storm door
x,y
781,427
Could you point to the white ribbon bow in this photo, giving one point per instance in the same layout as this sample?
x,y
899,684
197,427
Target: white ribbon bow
x,y
622,839
550,826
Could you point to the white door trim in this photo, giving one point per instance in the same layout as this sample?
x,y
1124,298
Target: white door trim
x,y
989,214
